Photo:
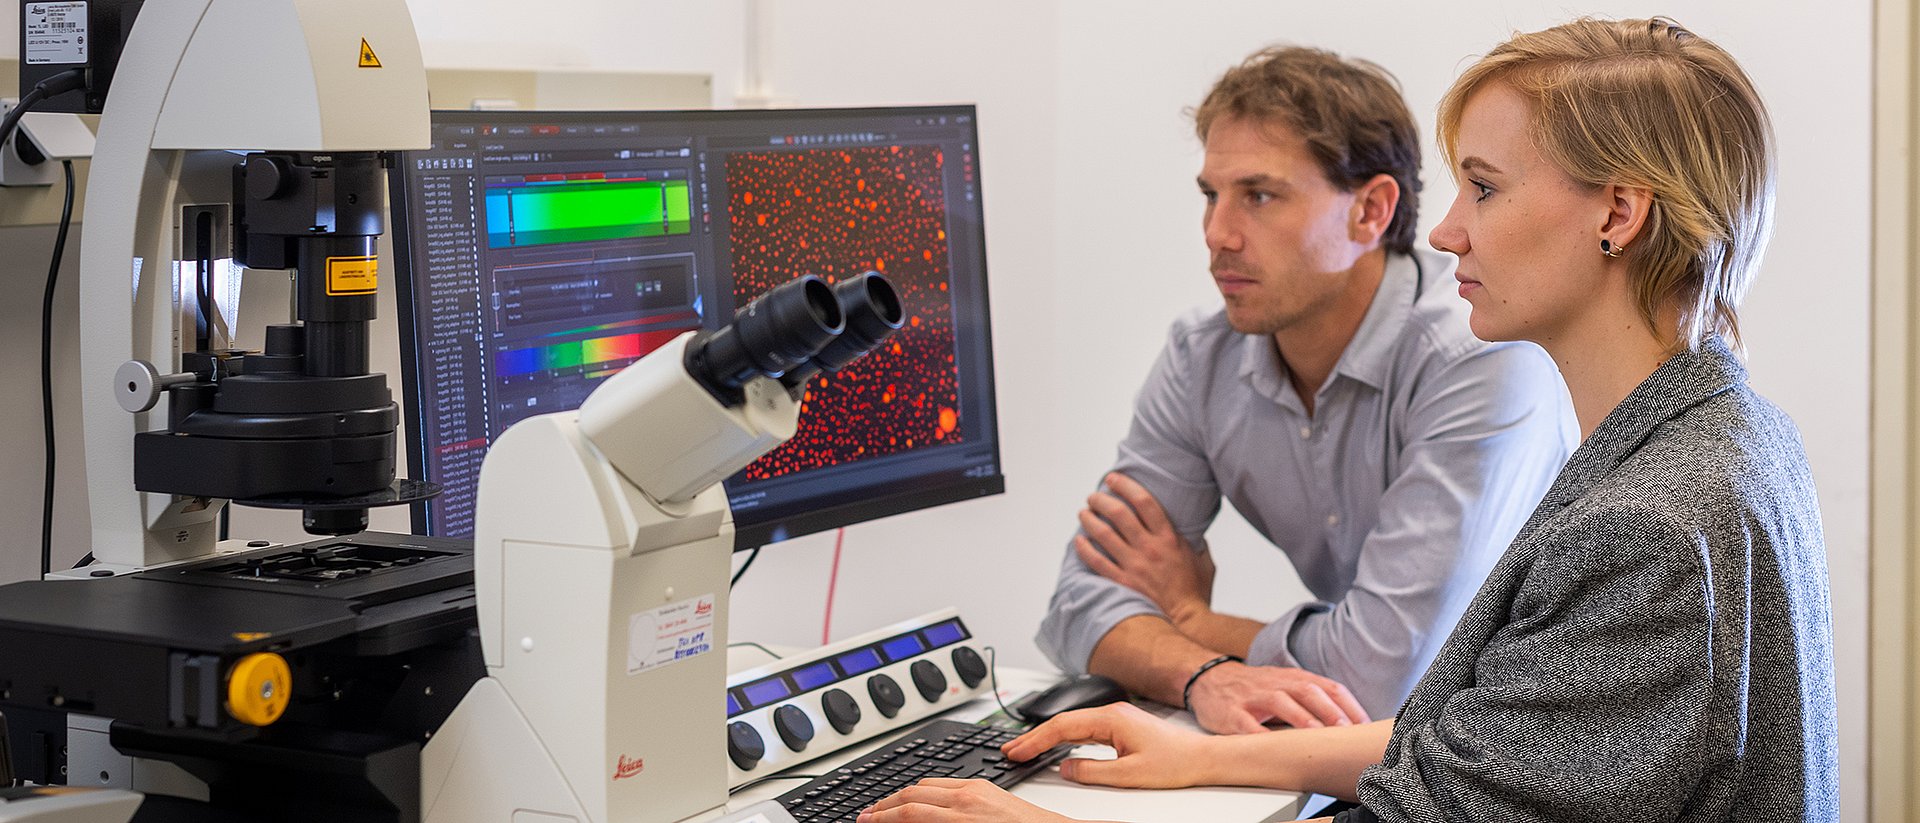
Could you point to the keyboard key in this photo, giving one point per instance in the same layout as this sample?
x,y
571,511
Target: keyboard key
x,y
938,748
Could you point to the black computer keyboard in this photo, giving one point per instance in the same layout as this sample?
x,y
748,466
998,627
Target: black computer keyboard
x,y
936,748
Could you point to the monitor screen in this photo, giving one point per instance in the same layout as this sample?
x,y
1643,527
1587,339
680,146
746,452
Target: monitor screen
x,y
540,252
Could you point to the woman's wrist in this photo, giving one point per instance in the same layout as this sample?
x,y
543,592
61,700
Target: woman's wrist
x,y
1262,760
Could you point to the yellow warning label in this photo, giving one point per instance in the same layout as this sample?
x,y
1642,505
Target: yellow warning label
x,y
368,60
353,275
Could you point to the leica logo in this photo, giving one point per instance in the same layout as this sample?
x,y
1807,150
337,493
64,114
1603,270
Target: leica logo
x,y
703,608
628,768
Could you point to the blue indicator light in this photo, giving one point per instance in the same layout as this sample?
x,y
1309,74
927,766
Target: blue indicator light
x,y
945,634
855,662
765,691
814,676
901,648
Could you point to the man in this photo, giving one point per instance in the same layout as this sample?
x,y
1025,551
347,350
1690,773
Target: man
x,y
1338,400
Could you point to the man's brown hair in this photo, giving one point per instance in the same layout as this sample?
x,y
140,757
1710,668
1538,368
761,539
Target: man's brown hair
x,y
1349,112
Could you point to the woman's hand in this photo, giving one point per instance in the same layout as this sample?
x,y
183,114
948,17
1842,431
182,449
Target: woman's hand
x,y
1154,754
943,799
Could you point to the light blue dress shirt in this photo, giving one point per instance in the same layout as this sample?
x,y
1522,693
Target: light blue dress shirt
x,y
1426,451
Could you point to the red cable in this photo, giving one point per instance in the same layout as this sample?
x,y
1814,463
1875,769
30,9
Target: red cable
x,y
833,578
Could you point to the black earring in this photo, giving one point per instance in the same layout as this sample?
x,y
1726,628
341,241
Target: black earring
x,y
1609,249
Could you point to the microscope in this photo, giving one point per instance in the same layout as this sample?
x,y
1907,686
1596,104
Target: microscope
x,y
568,666
600,558
236,133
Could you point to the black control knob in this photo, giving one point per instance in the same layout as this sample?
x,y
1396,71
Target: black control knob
x,y
841,709
744,745
266,177
967,662
793,725
886,694
929,680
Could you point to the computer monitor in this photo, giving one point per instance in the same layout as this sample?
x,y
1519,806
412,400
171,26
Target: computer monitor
x,y
538,253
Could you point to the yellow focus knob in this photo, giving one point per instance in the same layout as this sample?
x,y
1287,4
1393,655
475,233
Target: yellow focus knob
x,y
258,688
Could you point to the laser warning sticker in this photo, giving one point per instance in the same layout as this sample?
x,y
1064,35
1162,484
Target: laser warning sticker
x,y
368,60
54,33
352,275
669,634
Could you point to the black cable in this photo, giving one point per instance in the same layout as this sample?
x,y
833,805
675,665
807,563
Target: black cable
x,y
58,84
769,652
759,780
993,671
752,555
46,369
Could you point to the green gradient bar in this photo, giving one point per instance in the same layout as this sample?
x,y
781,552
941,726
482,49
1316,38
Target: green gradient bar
x,y
574,212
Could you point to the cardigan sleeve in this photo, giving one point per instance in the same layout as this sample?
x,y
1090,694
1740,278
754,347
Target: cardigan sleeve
x,y
1593,701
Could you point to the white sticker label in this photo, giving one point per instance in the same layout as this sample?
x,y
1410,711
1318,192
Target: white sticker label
x,y
56,33
669,634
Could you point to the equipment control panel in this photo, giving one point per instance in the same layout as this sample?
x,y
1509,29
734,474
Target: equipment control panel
x,y
798,708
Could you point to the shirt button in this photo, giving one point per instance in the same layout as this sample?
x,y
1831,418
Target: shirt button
x,y
1306,432
1333,520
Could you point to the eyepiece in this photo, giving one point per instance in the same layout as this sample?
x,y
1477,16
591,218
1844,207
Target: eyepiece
x,y
873,311
768,337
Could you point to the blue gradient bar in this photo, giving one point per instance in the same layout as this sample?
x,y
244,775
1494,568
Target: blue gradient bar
x,y
765,692
855,662
901,648
945,634
814,676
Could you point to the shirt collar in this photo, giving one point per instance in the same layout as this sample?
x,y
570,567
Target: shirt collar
x,y
1368,357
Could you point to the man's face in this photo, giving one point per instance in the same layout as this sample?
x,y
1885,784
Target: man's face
x,y
1282,236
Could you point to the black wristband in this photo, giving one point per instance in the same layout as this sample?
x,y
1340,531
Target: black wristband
x,y
1186,694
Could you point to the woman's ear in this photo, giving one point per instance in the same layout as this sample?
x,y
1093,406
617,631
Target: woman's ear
x,y
1627,209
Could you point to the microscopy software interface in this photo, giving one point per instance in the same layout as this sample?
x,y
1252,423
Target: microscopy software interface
x,y
543,252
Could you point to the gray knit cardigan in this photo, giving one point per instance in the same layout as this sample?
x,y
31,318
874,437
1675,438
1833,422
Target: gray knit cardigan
x,y
1654,646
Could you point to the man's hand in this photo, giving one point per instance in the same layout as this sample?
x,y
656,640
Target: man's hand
x,y
942,799
1127,538
1153,754
1235,698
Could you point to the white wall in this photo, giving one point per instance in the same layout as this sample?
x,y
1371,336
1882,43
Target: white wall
x,y
1094,244
1093,241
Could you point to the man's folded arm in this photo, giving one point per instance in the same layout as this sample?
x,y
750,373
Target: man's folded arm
x,y
1482,448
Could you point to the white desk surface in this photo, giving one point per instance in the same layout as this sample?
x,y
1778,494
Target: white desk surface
x,y
1051,791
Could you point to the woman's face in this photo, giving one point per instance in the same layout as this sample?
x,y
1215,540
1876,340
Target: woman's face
x,y
1527,235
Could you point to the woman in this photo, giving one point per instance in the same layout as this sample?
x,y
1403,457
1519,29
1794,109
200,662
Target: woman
x,y
1655,644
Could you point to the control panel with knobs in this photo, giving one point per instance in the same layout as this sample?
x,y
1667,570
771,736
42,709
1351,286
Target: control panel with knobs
x,y
798,708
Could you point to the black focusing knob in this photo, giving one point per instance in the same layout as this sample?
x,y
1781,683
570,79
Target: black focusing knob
x,y
841,709
967,662
929,680
886,694
744,745
794,727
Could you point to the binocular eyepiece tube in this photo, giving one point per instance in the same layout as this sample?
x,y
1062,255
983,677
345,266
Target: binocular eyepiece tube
x,y
795,331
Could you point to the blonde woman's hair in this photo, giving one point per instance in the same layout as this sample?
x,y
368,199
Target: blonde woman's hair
x,y
1647,103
